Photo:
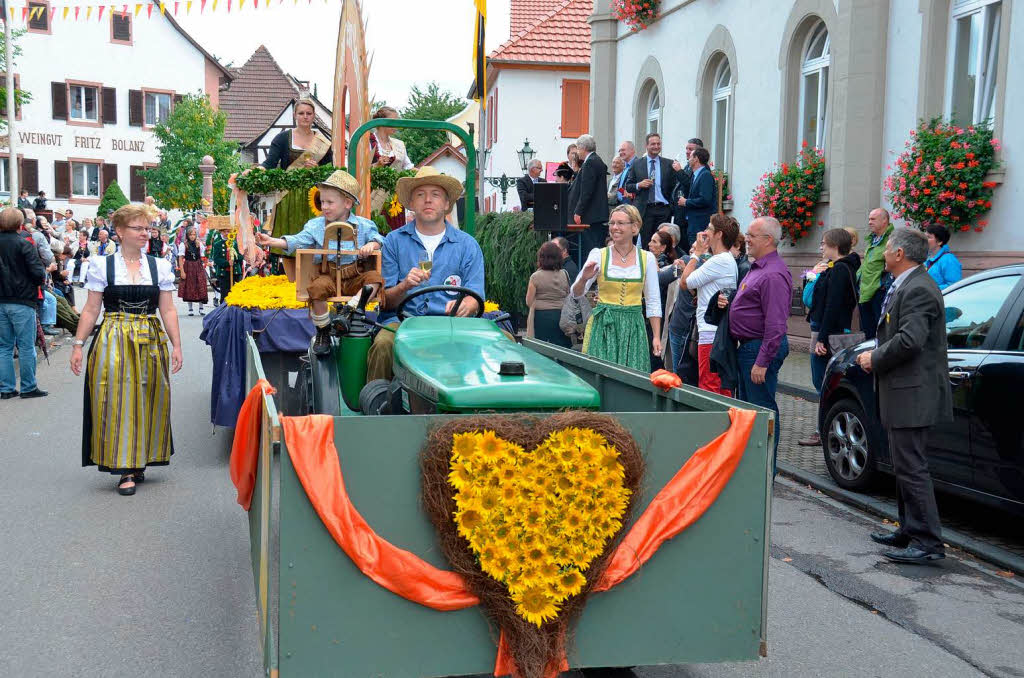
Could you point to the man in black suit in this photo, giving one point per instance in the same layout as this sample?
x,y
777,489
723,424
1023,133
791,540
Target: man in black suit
x,y
684,174
524,184
700,201
588,197
652,180
568,265
911,379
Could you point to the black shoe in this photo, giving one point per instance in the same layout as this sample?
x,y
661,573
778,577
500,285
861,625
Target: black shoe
x,y
140,477
8,396
35,393
914,556
322,343
125,491
890,539
50,331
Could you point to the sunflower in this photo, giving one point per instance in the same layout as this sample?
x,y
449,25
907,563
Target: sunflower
x,y
489,499
534,605
461,475
464,445
314,198
571,582
468,520
549,571
491,447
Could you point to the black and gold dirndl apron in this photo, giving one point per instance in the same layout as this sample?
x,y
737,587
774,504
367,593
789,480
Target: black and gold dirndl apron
x,y
127,415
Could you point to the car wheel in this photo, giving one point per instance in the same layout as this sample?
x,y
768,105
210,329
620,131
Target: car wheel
x,y
850,443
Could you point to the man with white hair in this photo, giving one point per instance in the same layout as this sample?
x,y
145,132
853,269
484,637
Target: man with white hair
x,y
627,153
524,184
588,198
757,318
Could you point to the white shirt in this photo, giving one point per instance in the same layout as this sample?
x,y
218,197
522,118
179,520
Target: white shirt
x,y
652,294
96,277
430,242
715,274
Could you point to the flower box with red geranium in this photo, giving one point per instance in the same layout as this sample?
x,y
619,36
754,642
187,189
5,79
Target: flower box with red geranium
x,y
637,14
940,176
789,193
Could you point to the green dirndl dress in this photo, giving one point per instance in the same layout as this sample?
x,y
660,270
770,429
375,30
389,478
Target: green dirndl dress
x,y
616,331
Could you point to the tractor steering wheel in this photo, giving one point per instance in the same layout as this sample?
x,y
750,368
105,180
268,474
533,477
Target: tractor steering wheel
x,y
463,293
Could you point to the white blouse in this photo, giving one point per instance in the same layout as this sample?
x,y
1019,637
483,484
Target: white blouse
x,y
96,277
652,294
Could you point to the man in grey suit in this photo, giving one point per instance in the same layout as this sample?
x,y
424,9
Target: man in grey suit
x,y
910,370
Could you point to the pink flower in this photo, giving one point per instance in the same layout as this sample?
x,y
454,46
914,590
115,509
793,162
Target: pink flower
x,y
995,144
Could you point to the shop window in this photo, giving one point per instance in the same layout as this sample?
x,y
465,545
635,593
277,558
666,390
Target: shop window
x,y
974,61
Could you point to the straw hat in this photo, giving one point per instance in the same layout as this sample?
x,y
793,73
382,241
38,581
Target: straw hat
x,y
428,176
344,182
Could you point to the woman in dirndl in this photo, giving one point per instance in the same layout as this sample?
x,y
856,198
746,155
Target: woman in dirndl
x,y
192,288
127,419
627,284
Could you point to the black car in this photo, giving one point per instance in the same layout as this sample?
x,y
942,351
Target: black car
x,y
980,454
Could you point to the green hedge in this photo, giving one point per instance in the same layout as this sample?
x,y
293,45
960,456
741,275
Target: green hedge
x,y
510,256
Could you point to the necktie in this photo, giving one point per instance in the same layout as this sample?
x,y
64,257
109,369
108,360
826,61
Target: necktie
x,y
885,302
651,174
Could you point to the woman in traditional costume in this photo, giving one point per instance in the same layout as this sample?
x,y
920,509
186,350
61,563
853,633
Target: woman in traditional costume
x,y
388,151
193,286
627,282
127,419
294,148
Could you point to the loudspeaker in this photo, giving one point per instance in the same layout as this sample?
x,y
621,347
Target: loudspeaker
x,y
550,206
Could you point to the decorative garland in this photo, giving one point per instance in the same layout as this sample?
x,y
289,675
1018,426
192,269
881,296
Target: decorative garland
x,y
262,181
940,177
789,192
271,292
637,14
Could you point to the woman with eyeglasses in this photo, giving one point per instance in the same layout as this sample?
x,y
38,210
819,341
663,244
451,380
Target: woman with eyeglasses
x,y
127,419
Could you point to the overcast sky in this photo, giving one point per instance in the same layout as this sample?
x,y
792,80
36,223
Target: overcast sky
x,y
411,41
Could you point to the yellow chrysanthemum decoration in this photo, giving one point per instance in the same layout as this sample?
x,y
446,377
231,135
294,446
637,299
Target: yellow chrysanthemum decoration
x,y
313,194
394,207
271,292
537,519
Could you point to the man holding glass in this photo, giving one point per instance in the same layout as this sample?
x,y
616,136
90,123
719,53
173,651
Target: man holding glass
x,y
428,250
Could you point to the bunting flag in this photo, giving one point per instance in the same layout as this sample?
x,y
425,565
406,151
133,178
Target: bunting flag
x,y
188,7
88,12
24,12
202,6
66,12
149,11
480,54
76,13
138,8
73,11
100,17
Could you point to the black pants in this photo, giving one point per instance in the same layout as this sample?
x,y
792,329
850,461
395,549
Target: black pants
x,y
871,313
593,237
915,496
655,214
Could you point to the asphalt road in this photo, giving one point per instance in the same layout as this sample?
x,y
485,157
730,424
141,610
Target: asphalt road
x,y
159,584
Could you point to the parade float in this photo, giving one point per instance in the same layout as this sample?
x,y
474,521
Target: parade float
x,y
500,506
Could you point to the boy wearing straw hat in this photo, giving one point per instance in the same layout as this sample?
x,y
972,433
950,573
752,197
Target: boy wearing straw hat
x,y
454,257
336,197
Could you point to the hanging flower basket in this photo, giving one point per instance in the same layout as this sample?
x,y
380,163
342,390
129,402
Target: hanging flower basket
x,y
789,193
940,177
637,14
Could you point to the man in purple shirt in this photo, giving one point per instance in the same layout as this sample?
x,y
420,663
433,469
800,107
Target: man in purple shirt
x,y
757,318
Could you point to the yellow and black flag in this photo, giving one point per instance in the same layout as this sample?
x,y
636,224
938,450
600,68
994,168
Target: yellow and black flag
x,y
480,54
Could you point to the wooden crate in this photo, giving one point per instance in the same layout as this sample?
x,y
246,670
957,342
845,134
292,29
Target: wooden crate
x,y
306,270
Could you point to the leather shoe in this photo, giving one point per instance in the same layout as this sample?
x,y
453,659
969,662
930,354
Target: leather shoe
x,y
7,396
322,343
890,539
914,556
50,331
35,393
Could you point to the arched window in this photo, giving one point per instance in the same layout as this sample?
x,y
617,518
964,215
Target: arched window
x,y
813,118
653,110
721,103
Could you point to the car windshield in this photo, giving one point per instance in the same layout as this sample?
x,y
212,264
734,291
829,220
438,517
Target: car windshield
x,y
971,310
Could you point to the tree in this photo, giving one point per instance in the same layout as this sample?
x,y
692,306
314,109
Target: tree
x,y
431,103
21,97
193,130
113,198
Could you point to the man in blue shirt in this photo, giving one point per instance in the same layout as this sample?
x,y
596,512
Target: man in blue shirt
x,y
337,195
427,251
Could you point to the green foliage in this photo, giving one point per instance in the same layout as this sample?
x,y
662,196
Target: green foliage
x,y
113,198
263,181
21,97
510,249
193,130
431,103
940,177
386,178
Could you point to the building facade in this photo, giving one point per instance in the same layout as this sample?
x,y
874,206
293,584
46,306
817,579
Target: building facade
x,y
850,76
98,88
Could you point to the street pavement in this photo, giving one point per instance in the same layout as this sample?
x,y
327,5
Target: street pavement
x,y
159,584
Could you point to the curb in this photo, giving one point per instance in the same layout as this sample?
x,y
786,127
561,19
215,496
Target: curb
x,y
992,554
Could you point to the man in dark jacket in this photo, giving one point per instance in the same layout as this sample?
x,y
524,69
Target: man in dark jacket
x,y
684,176
702,200
524,184
21,274
588,198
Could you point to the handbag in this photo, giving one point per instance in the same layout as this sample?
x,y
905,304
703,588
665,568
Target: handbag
x,y
575,314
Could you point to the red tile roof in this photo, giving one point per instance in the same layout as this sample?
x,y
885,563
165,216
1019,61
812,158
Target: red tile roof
x,y
525,13
562,36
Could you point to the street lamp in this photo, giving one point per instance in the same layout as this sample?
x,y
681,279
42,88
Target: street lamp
x,y
525,155
503,183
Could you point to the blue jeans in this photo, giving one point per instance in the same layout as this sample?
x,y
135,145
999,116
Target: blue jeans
x,y
17,326
762,394
48,317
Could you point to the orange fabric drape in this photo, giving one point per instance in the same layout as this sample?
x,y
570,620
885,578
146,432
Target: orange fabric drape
x,y
310,442
683,500
245,448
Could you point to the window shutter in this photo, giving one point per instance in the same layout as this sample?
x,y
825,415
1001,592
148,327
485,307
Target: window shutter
x,y
30,175
135,108
495,107
59,94
122,26
108,175
39,16
575,108
108,111
137,184
61,179
177,99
